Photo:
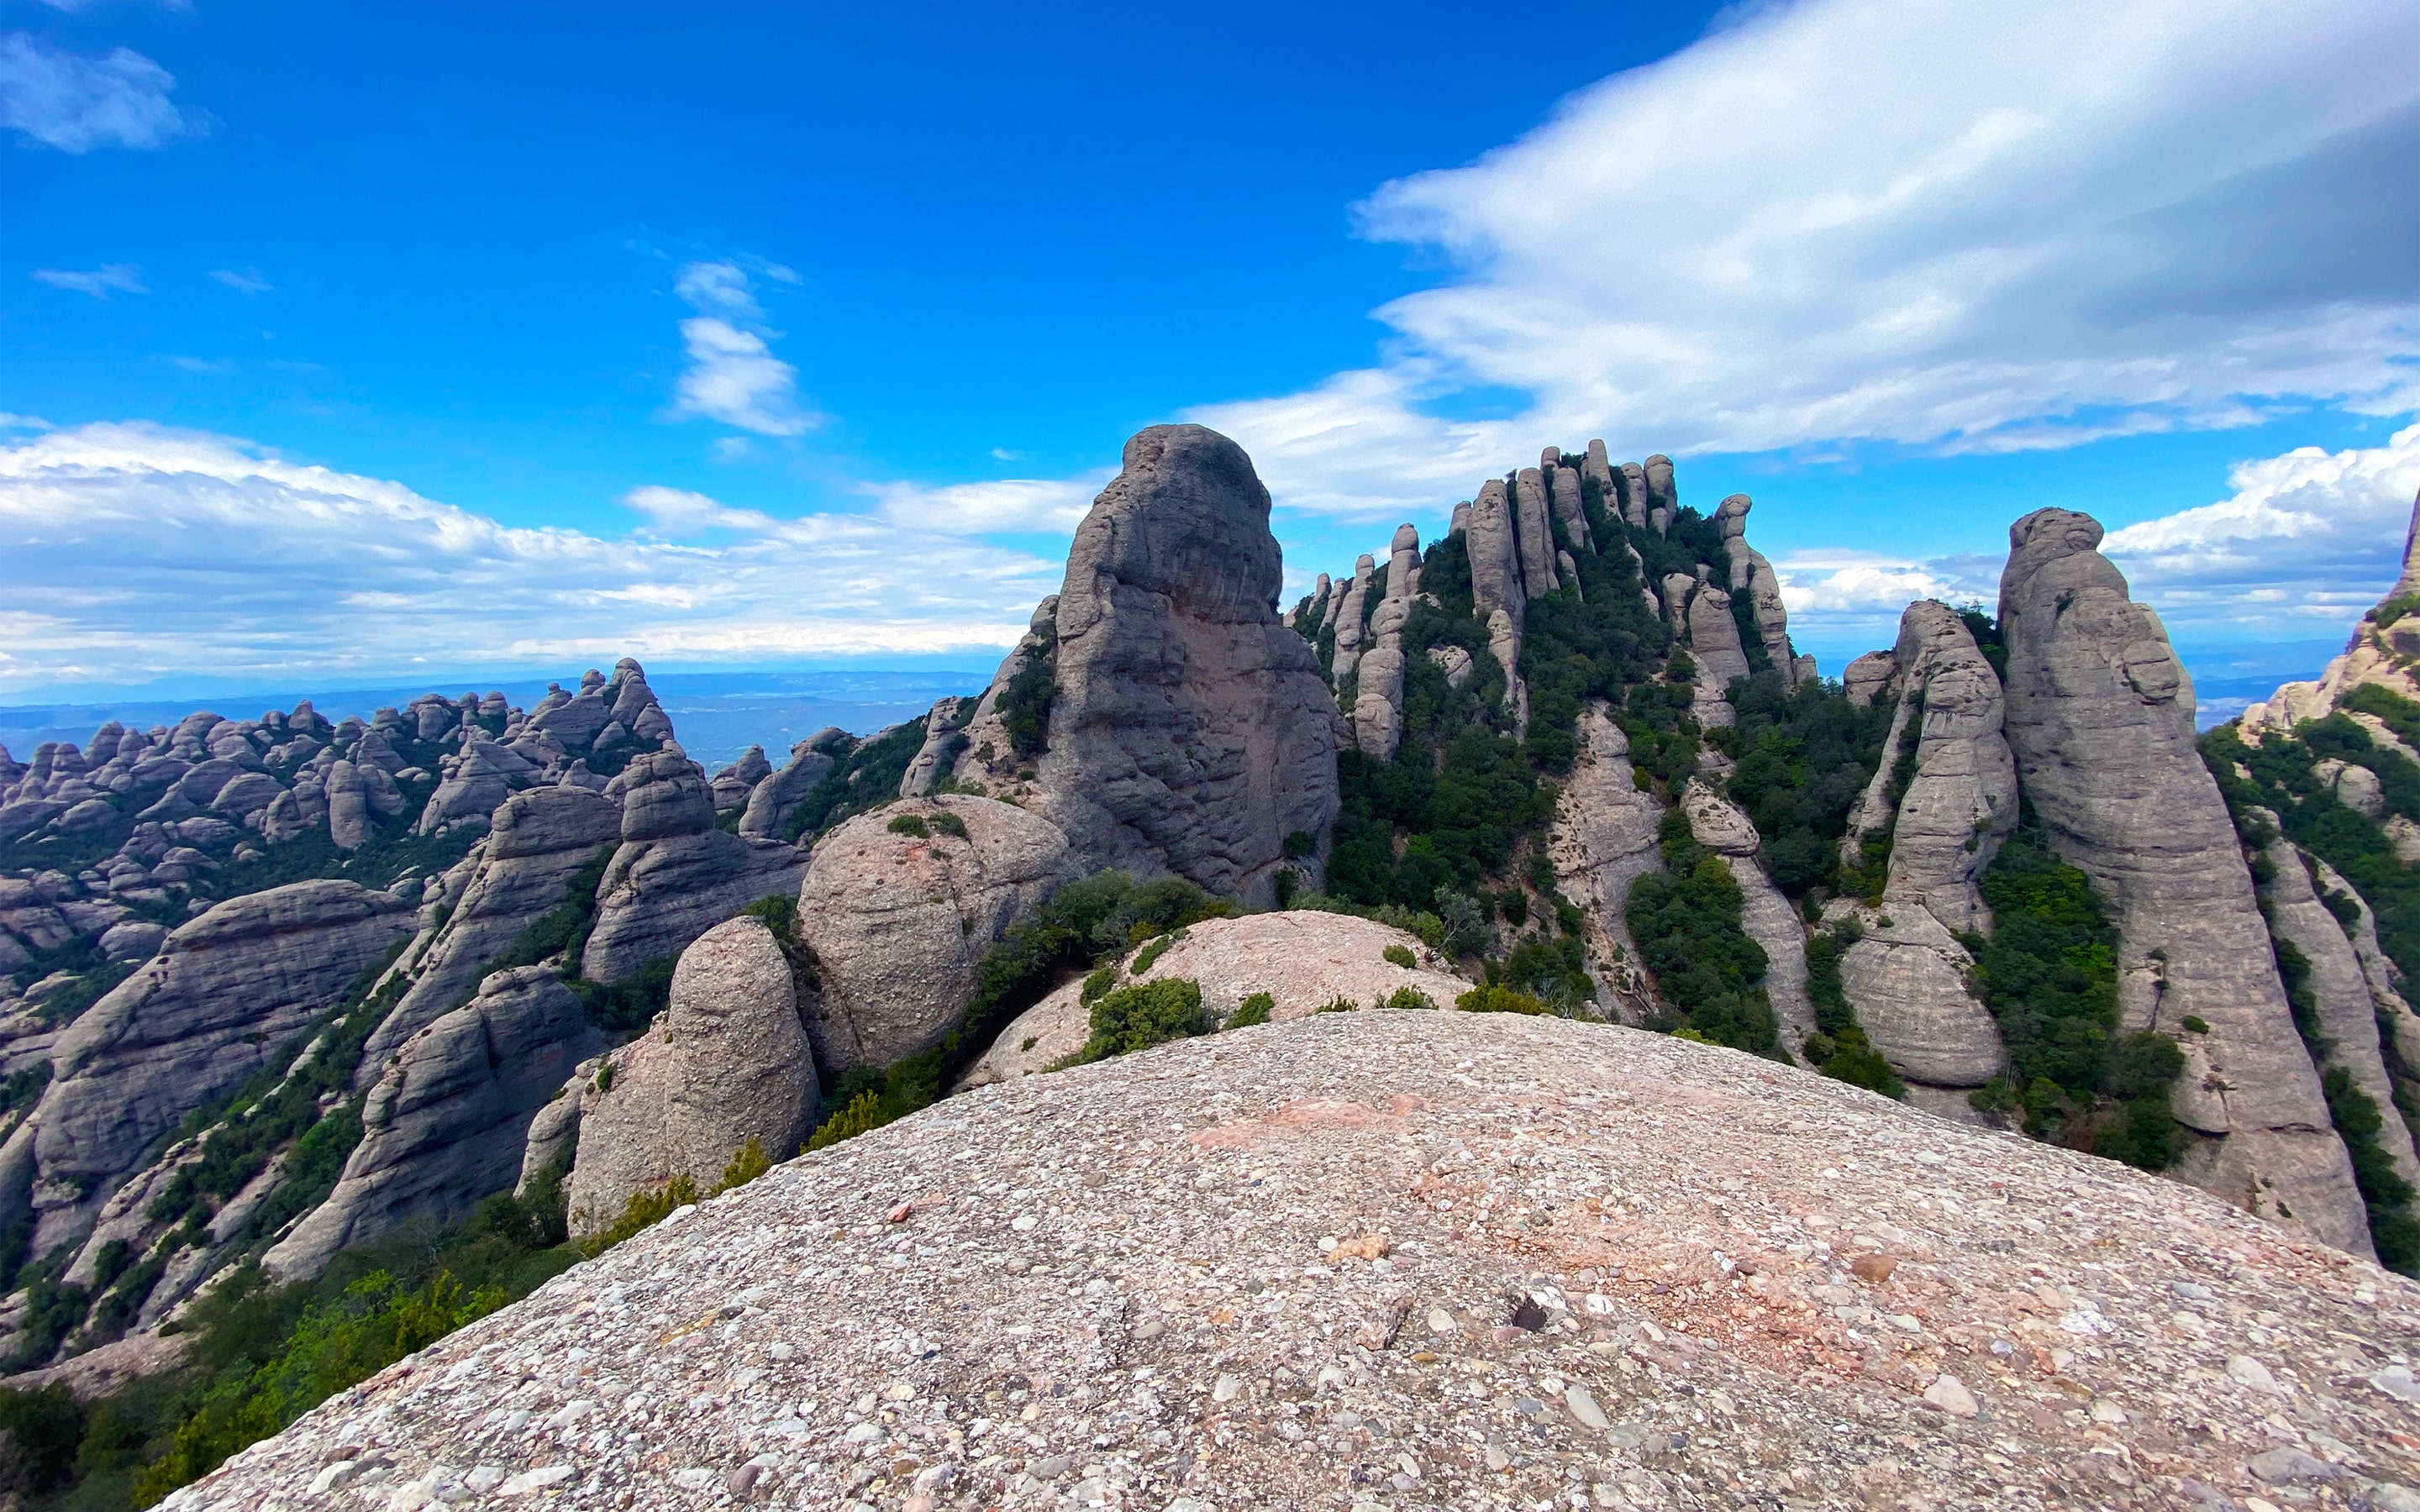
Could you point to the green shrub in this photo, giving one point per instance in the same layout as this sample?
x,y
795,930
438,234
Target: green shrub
x,y
1401,955
1488,998
1687,923
1839,1048
862,1112
1804,754
646,1208
1024,706
1253,1009
948,823
1097,987
909,824
1409,997
1137,1018
2393,1228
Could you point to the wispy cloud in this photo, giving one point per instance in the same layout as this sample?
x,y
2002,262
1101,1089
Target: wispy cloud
x,y
112,278
2070,219
247,282
77,101
129,550
203,365
733,375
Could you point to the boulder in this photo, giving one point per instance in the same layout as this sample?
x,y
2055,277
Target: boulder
x,y
539,842
725,1063
1304,961
2100,715
445,1124
772,801
1350,621
897,922
731,786
1715,638
224,995
1192,732
1753,575
1634,495
1662,496
1870,676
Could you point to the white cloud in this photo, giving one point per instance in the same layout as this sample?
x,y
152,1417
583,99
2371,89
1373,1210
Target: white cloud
x,y
678,512
77,102
1047,506
129,550
204,365
121,278
247,282
733,375
2309,540
1921,222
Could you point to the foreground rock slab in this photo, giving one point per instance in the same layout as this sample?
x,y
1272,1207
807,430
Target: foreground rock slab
x,y
1408,1259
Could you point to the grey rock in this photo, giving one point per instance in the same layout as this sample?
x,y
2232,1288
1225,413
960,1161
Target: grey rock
x,y
1715,638
2347,1015
663,794
1766,915
1754,576
1456,662
224,994
772,802
2099,717
1191,731
1378,706
725,1064
1870,676
482,777
897,923
1563,492
133,940
943,729
1662,494
447,1123
1634,495
1961,800
540,840
732,785
1674,591
1604,841
659,895
1351,617
991,752
1533,534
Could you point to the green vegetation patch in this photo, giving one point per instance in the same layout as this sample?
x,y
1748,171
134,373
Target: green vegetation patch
x,y
1805,755
1687,923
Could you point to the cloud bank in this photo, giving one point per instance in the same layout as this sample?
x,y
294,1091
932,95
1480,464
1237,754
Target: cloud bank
x,y
76,102
1917,223
129,550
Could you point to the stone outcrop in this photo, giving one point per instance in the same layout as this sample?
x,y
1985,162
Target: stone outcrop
x,y
539,840
2348,1014
724,1064
1190,733
1352,621
896,922
772,801
1715,638
1378,707
1368,1125
1534,537
1604,841
445,1124
2099,717
226,992
674,876
1305,961
732,786
1753,575
2385,651
944,737
1766,915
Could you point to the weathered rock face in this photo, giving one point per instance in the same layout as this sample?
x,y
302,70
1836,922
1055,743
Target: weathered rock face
x,y
1870,676
1330,1114
1535,537
1961,799
1351,630
898,922
772,801
734,784
725,1063
2099,717
675,875
2384,655
1604,841
1192,732
1378,707
1304,961
445,1124
944,737
540,839
1715,638
224,994
1766,915
2348,1014
1753,575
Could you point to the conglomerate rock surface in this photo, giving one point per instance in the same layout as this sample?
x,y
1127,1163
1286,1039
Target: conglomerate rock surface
x,y
2099,717
1409,1260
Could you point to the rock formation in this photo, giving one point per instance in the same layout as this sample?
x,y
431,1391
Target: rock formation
x,y
1352,619
1604,840
1190,732
2385,651
897,921
1378,708
1766,915
1305,963
1754,576
1907,977
445,1124
538,842
1525,1183
225,993
2099,717
674,876
772,801
725,1064
1534,537
944,737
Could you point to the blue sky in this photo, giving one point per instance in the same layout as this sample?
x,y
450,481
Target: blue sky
x,y
342,343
